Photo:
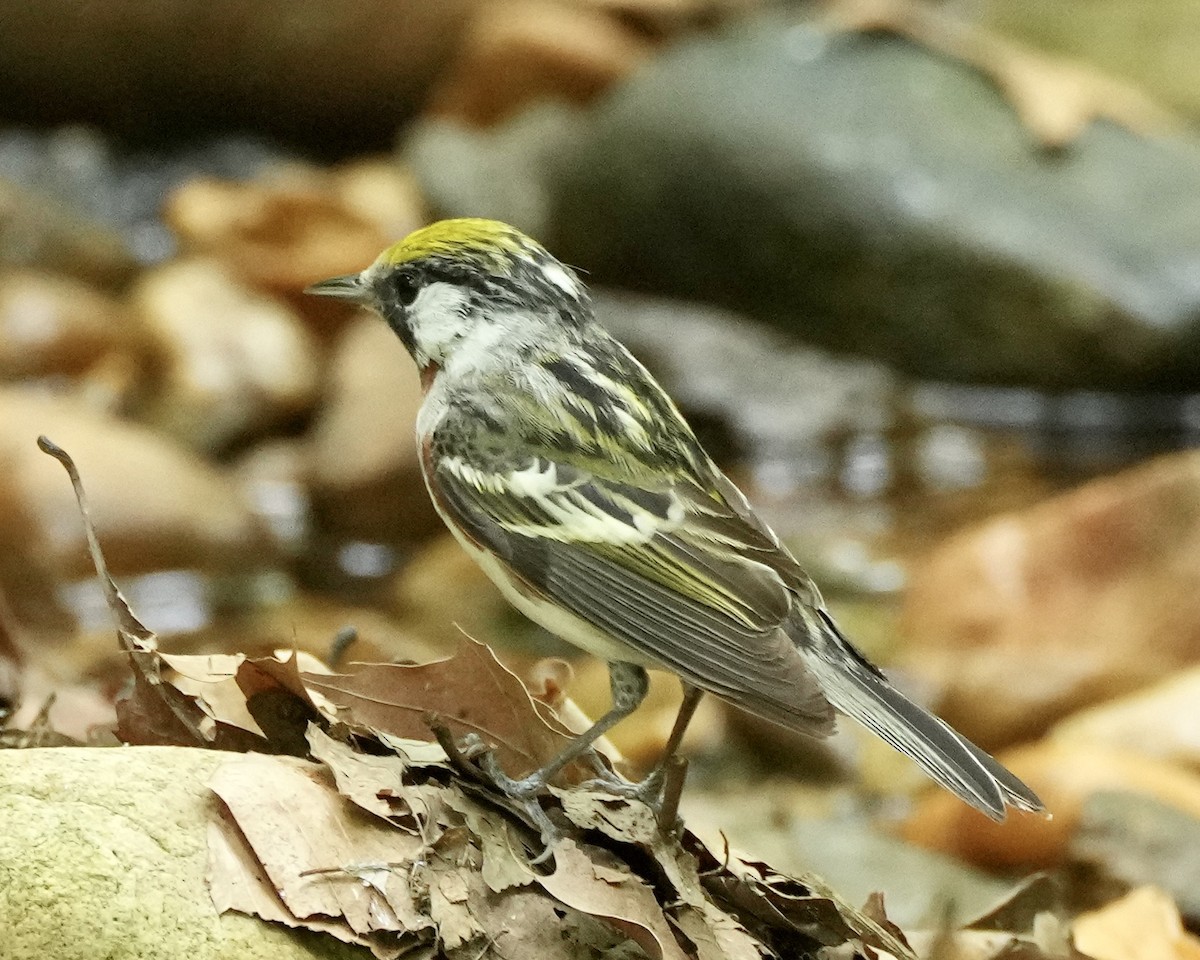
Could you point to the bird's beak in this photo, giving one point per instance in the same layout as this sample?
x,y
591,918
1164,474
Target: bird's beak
x,y
349,287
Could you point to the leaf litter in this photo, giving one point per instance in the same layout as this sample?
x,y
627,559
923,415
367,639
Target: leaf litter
x,y
340,813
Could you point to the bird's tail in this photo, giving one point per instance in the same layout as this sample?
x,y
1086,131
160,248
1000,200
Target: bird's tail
x,y
858,689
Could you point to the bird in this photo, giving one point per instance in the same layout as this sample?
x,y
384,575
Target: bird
x,y
566,471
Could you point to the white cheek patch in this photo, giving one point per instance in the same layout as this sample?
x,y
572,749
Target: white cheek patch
x,y
436,319
559,276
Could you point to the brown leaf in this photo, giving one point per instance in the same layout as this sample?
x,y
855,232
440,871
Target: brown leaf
x,y
630,821
236,881
156,712
210,679
1017,912
613,894
504,861
278,701
715,934
525,924
471,692
1142,925
1056,99
452,884
377,785
325,857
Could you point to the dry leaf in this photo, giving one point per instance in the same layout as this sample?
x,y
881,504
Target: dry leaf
x,y
1019,910
156,712
471,692
1142,925
605,890
326,858
1056,99
451,882
505,864
378,784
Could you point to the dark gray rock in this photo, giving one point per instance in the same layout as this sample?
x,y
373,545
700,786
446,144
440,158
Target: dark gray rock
x,y
873,197
1138,840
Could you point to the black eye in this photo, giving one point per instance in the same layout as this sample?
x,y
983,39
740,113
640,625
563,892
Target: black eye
x,y
405,288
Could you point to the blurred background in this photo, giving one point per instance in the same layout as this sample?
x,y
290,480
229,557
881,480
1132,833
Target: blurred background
x,y
924,277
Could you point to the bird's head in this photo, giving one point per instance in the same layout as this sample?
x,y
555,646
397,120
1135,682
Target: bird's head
x,y
462,282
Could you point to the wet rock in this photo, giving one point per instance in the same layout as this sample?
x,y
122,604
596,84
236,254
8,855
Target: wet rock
x,y
1066,778
872,197
38,232
1080,598
329,80
124,188
109,852
235,362
1138,840
51,325
363,469
156,506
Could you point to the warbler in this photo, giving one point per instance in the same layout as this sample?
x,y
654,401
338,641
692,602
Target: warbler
x,y
567,472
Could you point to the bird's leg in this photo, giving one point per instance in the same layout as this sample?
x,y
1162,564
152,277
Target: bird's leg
x,y
629,684
649,790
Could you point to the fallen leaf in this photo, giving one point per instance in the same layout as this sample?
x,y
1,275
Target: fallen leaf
x,y
715,934
1019,910
376,783
525,924
631,821
315,847
156,711
278,701
504,860
1142,925
1056,99
471,692
450,886
617,896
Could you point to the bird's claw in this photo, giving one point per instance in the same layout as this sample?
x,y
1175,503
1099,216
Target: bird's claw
x,y
522,795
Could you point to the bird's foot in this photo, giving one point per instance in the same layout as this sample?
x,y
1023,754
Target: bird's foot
x,y
659,791
522,795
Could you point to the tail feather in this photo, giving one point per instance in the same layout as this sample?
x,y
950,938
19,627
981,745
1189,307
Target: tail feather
x,y
859,690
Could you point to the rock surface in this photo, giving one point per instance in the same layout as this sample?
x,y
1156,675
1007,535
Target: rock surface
x,y
235,360
53,325
156,506
365,477
870,196
105,853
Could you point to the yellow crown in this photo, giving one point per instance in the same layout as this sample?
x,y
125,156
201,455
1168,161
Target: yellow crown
x,y
490,240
